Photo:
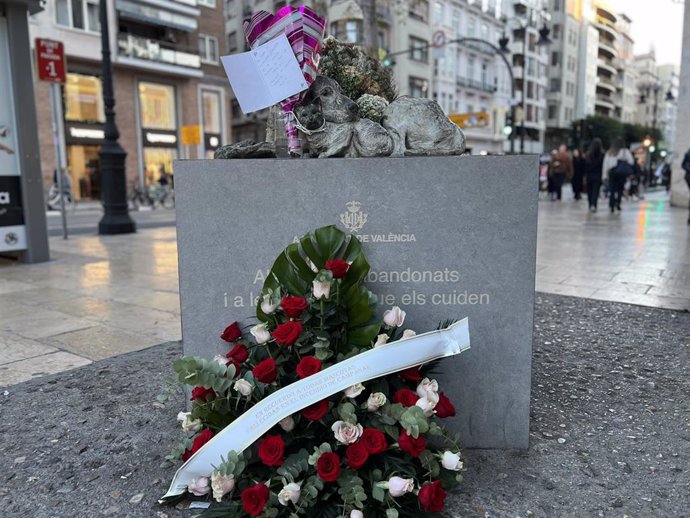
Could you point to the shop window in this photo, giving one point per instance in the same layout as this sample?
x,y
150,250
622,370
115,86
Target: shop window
x,y
210,102
208,49
83,98
157,106
419,49
78,14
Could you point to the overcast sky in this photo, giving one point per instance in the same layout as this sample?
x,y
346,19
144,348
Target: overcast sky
x,y
658,23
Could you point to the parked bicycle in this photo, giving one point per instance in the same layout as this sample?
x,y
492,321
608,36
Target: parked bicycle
x,y
153,196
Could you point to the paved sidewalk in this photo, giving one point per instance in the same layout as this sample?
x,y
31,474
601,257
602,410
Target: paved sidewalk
x,y
102,297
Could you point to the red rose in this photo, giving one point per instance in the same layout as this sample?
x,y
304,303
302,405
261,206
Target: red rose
x,y
265,371
338,268
239,353
411,374
444,408
288,333
201,439
374,441
202,393
254,499
356,455
293,306
405,397
411,445
232,332
432,497
308,366
316,411
328,466
272,450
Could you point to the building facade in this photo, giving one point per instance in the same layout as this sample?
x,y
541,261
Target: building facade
x,y
669,78
470,79
166,75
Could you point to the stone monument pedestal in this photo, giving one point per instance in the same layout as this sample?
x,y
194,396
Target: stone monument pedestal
x,y
446,237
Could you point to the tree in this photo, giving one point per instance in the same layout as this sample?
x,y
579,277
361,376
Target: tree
x,y
607,129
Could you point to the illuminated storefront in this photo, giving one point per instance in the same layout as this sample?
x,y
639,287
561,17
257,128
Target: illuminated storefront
x,y
212,120
84,118
158,117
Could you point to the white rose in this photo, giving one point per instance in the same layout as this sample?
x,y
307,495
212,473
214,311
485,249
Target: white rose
x,y
189,425
356,513
398,486
287,424
243,387
408,333
394,317
376,401
322,289
220,359
451,461
289,493
428,403
222,485
199,486
260,333
267,305
346,433
382,339
354,391
425,386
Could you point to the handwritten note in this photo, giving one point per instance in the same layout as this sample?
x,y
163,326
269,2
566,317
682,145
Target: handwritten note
x,y
265,75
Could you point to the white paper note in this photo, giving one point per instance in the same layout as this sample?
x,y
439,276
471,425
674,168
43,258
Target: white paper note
x,y
265,75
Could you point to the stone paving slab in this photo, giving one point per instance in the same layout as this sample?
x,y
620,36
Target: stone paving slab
x,y
608,436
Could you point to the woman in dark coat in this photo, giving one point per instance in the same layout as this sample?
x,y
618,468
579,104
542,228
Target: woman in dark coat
x,y
578,173
593,164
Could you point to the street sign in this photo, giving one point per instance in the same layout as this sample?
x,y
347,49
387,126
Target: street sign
x,y
439,39
191,135
50,61
470,120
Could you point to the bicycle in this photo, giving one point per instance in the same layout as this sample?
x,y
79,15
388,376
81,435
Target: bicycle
x,y
164,195
140,197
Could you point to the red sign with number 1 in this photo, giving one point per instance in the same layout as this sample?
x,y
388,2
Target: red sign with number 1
x,y
50,60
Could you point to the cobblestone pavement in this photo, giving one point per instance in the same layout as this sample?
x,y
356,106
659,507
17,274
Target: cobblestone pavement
x,y
608,436
104,296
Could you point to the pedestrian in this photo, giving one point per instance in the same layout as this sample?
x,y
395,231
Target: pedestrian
x,y
561,168
617,168
685,165
578,173
593,167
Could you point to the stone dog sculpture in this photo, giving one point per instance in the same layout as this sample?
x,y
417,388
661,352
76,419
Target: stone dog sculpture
x,y
332,126
411,126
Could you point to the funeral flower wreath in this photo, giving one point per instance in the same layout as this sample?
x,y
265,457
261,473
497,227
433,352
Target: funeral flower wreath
x,y
378,449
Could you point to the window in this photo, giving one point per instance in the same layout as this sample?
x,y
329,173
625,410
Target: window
x,y
553,111
157,106
78,14
83,98
456,21
352,31
438,13
208,49
554,59
485,79
470,108
485,32
470,67
232,42
555,85
556,5
207,3
418,87
556,31
419,10
419,50
471,26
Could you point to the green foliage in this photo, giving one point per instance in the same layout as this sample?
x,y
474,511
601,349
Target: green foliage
x,y
233,465
414,421
294,466
607,129
347,412
352,490
200,372
356,72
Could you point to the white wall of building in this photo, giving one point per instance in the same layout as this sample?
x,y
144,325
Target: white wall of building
x,y
679,189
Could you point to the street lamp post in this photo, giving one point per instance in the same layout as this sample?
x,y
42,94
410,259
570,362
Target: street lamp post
x,y
116,219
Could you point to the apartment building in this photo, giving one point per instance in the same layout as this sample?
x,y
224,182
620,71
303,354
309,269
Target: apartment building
x,y
469,78
166,74
525,19
669,78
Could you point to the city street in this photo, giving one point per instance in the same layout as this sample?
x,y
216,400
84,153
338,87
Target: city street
x,y
104,296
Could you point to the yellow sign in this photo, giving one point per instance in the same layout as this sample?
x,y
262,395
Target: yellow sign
x,y
470,120
191,135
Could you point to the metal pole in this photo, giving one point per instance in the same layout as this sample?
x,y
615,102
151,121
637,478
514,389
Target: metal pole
x,y
522,93
59,162
116,219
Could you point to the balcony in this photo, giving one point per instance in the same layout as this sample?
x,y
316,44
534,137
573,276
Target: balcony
x,y
155,55
608,66
604,102
606,84
175,15
606,50
604,25
475,85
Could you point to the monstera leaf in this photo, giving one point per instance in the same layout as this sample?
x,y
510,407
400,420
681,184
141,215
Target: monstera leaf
x,y
298,265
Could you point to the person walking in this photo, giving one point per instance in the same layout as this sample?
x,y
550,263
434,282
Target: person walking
x,y
685,165
578,173
617,167
561,167
593,168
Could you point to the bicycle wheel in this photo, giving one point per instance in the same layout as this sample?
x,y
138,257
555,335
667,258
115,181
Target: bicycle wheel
x,y
168,201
